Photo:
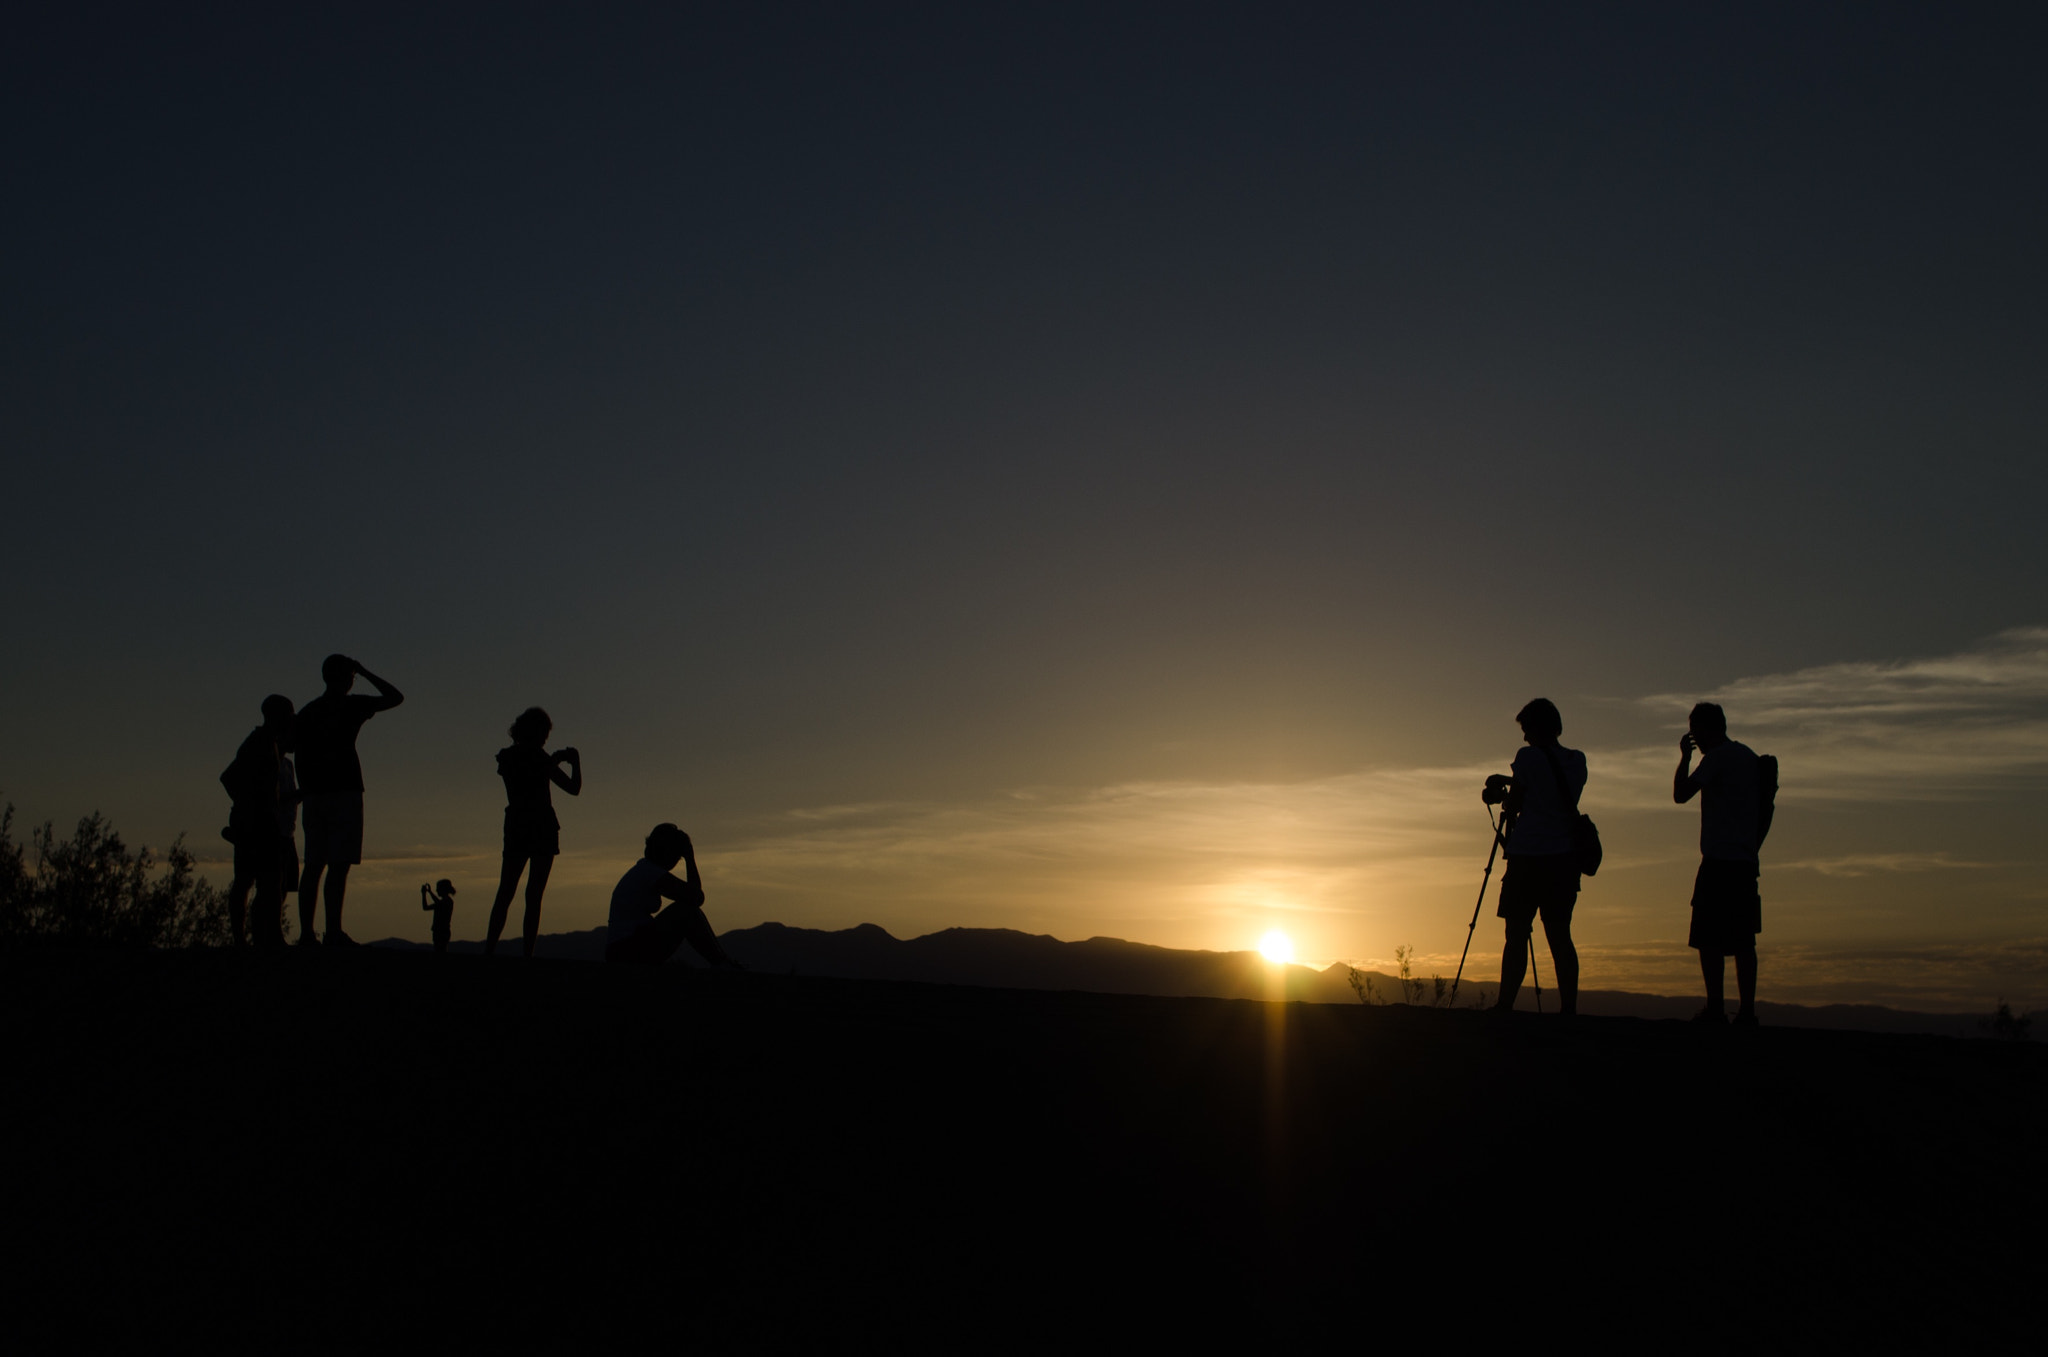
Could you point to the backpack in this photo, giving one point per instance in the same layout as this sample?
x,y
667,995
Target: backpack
x,y
1586,847
1766,795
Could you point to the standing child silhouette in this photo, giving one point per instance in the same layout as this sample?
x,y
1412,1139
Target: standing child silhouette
x,y
442,907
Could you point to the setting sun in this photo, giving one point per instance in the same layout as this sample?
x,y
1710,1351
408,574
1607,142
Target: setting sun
x,y
1277,947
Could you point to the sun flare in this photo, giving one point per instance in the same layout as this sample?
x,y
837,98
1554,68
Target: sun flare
x,y
1277,947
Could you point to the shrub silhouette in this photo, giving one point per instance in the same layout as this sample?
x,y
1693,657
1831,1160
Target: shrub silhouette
x,y
2006,1025
91,889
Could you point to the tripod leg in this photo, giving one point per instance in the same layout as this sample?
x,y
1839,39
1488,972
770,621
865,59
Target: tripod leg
x,y
1484,881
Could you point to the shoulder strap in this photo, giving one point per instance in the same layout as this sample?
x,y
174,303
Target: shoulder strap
x,y
1568,798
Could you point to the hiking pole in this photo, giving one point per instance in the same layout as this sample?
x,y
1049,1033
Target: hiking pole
x,y
1499,837
1535,979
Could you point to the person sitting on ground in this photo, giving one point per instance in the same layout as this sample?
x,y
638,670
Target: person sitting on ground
x,y
1727,911
439,900
533,834
636,932
1542,876
253,784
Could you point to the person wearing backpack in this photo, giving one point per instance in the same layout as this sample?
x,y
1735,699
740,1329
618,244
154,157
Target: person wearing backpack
x,y
1545,854
1735,788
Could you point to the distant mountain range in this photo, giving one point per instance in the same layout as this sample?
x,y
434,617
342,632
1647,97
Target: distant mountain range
x,y
1005,958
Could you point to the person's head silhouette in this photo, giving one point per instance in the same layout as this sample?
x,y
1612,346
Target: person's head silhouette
x,y
1541,722
666,845
445,888
1708,723
277,715
532,727
340,673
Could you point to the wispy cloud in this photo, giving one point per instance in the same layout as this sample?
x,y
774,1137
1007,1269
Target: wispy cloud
x,y
1872,864
1915,729
1356,857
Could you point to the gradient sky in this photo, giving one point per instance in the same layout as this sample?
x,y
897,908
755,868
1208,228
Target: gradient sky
x,y
1090,469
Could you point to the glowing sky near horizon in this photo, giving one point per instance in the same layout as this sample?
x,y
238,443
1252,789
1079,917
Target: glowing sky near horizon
x,y
1099,471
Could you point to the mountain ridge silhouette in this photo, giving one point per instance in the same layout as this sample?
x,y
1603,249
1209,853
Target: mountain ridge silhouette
x,y
1007,958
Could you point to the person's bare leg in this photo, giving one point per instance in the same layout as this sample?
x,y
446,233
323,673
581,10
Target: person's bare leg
x,y
1745,979
309,894
1514,963
536,886
697,932
266,918
508,885
1564,957
1714,971
337,892
238,908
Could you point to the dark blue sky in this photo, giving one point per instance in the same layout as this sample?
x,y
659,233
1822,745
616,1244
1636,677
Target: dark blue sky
x,y
816,405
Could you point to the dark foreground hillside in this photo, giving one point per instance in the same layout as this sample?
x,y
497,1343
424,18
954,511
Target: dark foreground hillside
x,y
340,1151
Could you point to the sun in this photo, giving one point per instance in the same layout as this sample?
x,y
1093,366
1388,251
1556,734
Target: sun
x,y
1277,947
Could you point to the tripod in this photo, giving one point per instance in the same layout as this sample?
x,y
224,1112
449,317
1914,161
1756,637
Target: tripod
x,y
1500,839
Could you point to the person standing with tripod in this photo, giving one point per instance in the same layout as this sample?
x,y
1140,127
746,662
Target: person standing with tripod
x,y
1542,878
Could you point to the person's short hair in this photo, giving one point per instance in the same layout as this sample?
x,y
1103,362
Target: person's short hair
x,y
277,706
665,839
533,723
1708,718
1541,719
335,668
444,886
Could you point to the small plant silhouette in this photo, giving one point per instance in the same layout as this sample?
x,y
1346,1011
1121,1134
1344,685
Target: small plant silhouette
x,y
2005,1024
1363,986
1435,991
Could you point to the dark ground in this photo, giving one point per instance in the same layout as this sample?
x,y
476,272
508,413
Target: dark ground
x,y
336,1151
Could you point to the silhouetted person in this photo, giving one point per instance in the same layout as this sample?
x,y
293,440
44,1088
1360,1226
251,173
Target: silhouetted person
x,y
439,900
1727,911
636,932
254,785
532,833
288,821
1542,876
331,779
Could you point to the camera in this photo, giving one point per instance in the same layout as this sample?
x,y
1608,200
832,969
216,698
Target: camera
x,y
1497,787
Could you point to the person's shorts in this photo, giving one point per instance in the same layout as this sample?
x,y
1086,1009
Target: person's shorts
x,y
334,828
532,833
259,848
1547,885
1727,911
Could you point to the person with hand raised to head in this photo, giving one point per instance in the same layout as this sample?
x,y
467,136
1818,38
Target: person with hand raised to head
x,y
639,930
1727,910
532,833
331,782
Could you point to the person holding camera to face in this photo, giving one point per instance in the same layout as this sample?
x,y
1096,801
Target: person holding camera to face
x,y
533,833
1727,911
1539,803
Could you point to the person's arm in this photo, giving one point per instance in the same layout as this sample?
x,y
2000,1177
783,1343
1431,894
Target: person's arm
x,y
572,781
387,696
1683,784
690,891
